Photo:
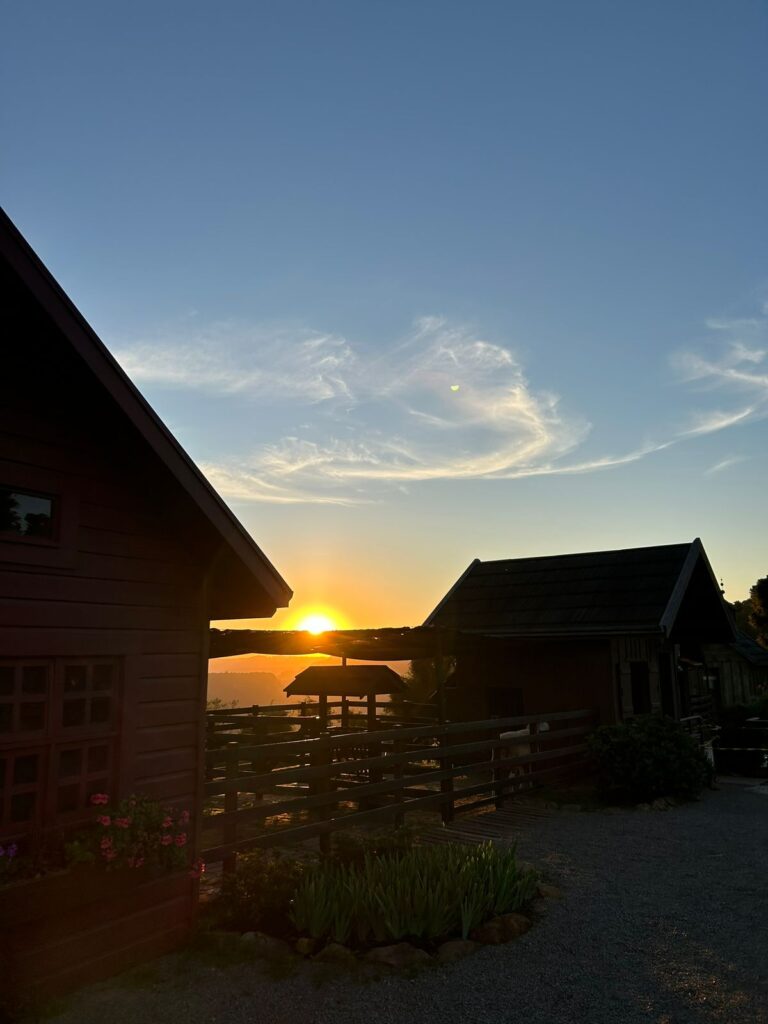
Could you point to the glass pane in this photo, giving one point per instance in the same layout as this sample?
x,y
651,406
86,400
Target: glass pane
x,y
67,798
25,769
6,717
23,806
102,677
31,716
70,763
75,678
100,709
34,679
28,514
98,759
74,712
6,680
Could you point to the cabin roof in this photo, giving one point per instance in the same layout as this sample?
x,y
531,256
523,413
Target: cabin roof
x,y
636,590
751,650
345,681
240,552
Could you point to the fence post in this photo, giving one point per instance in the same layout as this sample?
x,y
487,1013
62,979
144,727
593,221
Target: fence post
x,y
398,747
447,809
229,864
322,756
499,777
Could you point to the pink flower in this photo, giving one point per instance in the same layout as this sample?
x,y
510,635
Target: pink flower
x,y
166,840
106,843
105,820
184,818
181,839
123,822
167,822
100,798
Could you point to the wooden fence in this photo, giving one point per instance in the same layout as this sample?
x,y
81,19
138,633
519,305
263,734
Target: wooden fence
x,y
298,789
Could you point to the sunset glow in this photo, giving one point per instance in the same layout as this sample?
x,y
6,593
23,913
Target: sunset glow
x,y
316,623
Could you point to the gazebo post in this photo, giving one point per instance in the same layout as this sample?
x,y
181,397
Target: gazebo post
x,y
371,712
322,708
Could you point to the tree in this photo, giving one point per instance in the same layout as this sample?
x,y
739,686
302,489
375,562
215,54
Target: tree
x,y
758,617
741,613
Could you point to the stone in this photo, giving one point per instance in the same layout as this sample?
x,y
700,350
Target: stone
x,y
305,946
403,954
335,953
643,807
550,892
265,944
501,929
456,949
660,804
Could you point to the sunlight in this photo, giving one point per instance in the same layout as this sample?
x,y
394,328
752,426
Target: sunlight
x,y
316,623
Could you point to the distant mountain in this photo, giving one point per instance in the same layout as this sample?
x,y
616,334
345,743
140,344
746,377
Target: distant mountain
x,y
246,688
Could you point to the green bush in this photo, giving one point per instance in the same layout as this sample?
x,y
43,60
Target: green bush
x,y
258,895
647,757
424,893
353,845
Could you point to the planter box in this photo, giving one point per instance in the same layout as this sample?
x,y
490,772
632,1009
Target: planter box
x,y
72,927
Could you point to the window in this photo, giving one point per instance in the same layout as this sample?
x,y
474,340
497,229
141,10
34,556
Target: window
x,y
58,735
26,514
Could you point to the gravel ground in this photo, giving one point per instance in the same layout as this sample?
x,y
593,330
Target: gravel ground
x,y
664,918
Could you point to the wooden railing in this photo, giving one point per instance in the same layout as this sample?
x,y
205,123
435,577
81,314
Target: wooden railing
x,y
300,789
262,723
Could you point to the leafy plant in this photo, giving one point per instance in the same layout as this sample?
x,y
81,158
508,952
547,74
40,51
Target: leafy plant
x,y
647,757
258,895
134,832
424,893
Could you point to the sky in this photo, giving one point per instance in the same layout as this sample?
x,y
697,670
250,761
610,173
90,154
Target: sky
x,y
419,282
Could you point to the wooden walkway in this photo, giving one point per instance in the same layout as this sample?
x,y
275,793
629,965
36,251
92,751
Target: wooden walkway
x,y
502,827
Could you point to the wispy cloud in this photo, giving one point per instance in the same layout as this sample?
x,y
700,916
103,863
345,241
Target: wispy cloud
x,y
441,403
718,467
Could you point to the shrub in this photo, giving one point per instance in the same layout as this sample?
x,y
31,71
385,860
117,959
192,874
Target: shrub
x,y
352,846
647,757
259,894
426,893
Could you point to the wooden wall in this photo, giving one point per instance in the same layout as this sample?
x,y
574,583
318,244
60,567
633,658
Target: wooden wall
x,y
125,580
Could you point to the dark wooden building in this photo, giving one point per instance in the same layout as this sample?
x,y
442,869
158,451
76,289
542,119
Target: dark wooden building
x,y
115,554
619,631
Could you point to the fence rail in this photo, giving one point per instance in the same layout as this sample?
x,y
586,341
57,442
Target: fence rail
x,y
275,793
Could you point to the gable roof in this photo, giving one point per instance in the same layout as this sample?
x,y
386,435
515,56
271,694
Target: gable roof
x,y
345,681
240,552
636,590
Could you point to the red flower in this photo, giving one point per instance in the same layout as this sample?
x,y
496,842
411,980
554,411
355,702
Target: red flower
x,y
100,798
166,840
105,820
106,843
167,822
123,822
184,818
197,869
181,839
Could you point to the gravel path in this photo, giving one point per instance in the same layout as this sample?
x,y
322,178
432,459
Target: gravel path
x,y
664,919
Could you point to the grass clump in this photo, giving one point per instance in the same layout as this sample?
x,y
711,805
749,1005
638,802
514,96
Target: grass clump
x,y
425,893
648,757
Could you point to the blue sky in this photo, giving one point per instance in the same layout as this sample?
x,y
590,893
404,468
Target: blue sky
x,y
419,282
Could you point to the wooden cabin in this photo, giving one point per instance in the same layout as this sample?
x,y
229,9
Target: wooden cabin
x,y
737,673
115,554
619,631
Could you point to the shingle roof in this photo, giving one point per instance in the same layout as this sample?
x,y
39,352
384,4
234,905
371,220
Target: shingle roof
x,y
345,681
636,590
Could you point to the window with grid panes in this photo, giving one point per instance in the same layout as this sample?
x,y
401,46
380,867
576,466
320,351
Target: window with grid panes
x,y
57,739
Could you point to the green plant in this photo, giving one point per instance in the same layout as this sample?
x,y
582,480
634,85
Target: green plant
x,y
352,846
647,757
424,893
258,895
135,832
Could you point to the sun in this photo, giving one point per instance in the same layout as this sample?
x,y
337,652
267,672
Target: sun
x,y
316,623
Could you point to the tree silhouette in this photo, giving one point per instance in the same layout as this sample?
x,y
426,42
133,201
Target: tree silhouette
x,y
758,616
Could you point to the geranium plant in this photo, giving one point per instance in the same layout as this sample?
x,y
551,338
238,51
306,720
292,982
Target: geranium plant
x,y
138,831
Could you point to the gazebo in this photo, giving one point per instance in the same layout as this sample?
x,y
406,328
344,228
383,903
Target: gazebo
x,y
345,681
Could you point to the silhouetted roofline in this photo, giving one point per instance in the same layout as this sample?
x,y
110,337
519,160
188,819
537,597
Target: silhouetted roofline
x,y
89,347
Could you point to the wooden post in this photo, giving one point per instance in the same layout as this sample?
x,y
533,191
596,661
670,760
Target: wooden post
x,y
397,773
446,787
440,680
230,805
322,756
371,712
499,778
344,713
322,710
